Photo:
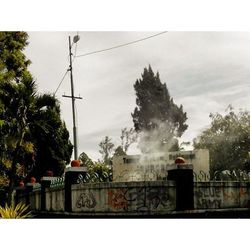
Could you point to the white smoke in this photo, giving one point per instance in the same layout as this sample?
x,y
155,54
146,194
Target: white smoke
x,y
158,140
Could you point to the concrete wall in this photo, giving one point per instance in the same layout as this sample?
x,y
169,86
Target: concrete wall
x,y
55,199
216,195
140,198
35,200
124,198
152,167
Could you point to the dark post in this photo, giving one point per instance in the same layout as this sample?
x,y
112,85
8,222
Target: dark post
x,y
19,191
28,190
71,177
45,183
3,197
182,174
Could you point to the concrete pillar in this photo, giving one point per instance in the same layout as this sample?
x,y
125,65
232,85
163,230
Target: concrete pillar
x,y
71,177
182,174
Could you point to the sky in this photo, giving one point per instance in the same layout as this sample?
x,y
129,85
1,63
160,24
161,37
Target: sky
x,y
204,71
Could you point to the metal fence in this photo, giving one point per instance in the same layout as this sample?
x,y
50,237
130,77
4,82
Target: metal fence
x,y
57,182
95,177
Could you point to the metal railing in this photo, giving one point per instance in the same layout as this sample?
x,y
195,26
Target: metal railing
x,y
57,182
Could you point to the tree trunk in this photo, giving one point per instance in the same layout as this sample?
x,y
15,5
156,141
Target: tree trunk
x,y
12,175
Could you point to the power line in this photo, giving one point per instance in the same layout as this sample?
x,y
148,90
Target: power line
x,y
121,45
67,69
98,51
61,81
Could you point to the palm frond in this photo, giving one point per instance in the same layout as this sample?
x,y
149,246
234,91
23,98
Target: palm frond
x,y
20,211
45,100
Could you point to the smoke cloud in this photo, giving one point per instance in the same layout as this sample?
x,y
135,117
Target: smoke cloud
x,y
157,140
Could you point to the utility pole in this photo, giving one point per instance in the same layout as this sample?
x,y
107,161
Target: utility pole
x,y
76,38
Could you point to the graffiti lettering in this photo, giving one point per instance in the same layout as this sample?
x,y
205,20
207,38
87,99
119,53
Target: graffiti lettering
x,y
209,197
209,203
139,199
116,199
158,197
86,200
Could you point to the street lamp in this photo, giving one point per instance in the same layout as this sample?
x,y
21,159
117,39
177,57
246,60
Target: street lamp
x,y
76,38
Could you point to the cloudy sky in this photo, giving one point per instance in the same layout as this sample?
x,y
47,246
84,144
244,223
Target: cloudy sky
x,y
204,71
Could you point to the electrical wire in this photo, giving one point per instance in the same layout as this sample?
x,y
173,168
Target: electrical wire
x,y
121,45
102,50
61,81
67,69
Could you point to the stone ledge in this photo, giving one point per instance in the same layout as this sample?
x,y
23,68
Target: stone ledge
x,y
208,213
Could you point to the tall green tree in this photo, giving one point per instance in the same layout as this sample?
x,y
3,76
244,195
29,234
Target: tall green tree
x,y
33,138
16,101
156,117
13,62
53,148
106,149
228,141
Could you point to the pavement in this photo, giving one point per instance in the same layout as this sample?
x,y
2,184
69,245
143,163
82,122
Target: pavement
x,y
232,213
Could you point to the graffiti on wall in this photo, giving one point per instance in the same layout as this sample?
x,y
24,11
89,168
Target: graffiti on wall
x,y
86,200
235,194
209,197
139,199
116,199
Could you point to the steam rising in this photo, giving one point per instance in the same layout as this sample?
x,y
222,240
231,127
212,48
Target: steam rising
x,y
157,140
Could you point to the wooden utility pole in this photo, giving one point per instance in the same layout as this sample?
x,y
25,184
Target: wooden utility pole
x,y
73,102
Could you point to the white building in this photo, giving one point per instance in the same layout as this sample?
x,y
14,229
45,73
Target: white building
x,y
154,166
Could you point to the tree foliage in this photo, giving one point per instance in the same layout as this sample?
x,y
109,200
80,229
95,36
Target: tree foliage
x,y
106,149
85,160
157,118
33,138
96,171
53,148
128,137
16,148
119,151
13,62
228,141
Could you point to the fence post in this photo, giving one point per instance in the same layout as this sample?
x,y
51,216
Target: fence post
x,y
45,183
28,189
19,191
182,174
71,177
